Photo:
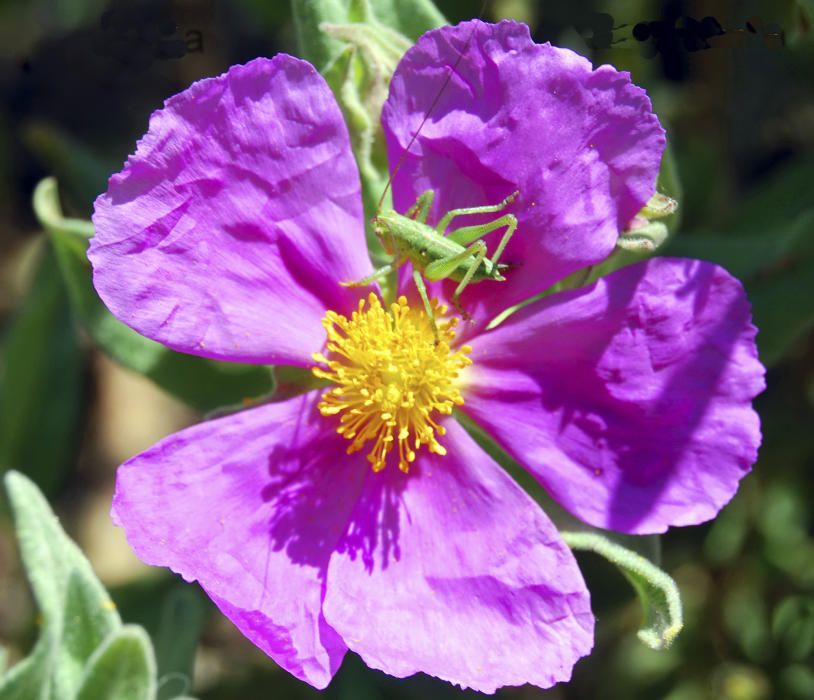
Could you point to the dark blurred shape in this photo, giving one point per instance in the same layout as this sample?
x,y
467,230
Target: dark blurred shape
x,y
134,34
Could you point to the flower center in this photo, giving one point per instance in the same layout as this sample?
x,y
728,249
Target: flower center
x,y
393,374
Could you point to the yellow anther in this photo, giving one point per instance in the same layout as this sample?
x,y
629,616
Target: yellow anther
x,y
393,374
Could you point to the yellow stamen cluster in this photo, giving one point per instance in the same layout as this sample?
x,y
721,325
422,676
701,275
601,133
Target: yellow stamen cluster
x,y
393,374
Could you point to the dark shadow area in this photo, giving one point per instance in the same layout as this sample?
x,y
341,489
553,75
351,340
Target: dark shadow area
x,y
324,503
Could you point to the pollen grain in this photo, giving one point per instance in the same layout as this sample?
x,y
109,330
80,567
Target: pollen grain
x,y
393,378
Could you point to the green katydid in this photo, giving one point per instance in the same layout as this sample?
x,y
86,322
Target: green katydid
x,y
459,255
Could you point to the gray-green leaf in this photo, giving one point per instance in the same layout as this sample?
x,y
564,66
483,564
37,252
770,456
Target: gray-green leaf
x,y
51,559
76,610
313,45
409,17
30,679
122,668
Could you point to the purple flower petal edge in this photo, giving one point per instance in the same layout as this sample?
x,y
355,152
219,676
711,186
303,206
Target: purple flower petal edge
x,y
504,114
227,232
455,571
251,506
629,400
451,570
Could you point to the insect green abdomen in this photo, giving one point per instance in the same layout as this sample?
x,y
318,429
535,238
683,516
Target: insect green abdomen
x,y
442,252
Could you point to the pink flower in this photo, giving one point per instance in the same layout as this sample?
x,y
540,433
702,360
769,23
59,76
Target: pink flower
x,y
227,235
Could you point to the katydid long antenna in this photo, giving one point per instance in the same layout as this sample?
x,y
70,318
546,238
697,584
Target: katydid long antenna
x,y
453,69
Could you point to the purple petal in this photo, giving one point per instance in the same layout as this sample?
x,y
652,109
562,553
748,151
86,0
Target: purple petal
x,y
227,232
582,147
629,400
251,506
454,571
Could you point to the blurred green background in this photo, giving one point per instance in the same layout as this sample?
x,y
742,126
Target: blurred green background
x,y
735,92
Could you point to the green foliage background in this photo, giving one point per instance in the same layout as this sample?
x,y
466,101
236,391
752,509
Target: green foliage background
x,y
78,85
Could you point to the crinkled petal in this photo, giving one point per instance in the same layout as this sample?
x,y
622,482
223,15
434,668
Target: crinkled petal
x,y
629,400
581,146
227,232
454,571
250,506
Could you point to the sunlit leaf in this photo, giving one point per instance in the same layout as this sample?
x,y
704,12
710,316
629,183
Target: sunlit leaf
x,y
76,610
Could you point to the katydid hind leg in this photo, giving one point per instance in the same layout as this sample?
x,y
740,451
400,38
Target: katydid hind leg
x,y
511,227
489,209
445,267
479,250
472,257
470,234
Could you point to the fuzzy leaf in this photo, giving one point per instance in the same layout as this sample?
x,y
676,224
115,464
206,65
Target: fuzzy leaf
x,y
313,45
658,593
409,17
645,239
76,610
123,667
52,561
30,679
89,617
